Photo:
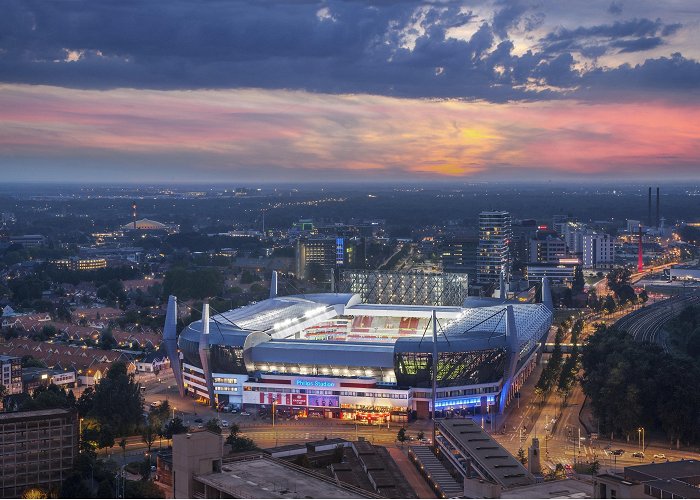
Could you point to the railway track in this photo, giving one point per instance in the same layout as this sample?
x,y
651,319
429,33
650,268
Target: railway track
x,y
646,325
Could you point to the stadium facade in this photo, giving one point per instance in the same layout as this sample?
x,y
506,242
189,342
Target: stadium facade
x,y
331,355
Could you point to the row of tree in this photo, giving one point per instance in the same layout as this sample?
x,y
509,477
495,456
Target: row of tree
x,y
634,384
560,372
684,332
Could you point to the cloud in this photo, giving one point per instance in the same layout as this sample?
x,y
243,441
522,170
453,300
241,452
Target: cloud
x,y
49,132
615,8
401,48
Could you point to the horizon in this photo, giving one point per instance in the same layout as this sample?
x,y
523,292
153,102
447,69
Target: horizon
x,y
334,91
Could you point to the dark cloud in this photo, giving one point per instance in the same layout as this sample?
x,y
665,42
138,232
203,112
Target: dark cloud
x,y
592,42
638,44
397,48
615,8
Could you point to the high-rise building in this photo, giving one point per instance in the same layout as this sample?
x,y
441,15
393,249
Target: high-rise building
x,y
547,248
458,255
493,255
11,374
37,450
598,251
328,253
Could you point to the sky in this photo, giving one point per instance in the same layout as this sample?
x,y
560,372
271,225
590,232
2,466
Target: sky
x,y
394,90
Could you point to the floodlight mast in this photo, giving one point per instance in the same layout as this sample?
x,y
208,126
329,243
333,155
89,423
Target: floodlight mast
x,y
435,369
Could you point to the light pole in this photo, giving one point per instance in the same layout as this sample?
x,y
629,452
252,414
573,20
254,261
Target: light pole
x,y
80,436
640,433
274,410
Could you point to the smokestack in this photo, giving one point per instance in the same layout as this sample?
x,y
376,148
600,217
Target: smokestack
x,y
649,222
658,218
640,256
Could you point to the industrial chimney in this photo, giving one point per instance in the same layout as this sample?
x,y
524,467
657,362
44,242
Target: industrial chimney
x,y
658,217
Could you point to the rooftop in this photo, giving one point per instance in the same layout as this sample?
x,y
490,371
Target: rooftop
x,y
264,477
487,455
565,488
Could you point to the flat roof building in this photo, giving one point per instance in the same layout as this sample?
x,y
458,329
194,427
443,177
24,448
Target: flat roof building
x,y
37,450
679,479
201,471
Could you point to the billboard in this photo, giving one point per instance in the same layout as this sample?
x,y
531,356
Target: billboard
x,y
295,399
324,401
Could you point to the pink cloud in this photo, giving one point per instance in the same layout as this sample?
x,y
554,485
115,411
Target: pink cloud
x,y
222,131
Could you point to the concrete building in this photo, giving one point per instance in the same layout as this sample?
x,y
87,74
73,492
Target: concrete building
x,y
37,450
200,470
76,264
11,373
392,287
493,254
598,251
35,377
28,240
458,255
547,249
327,253
680,479
556,273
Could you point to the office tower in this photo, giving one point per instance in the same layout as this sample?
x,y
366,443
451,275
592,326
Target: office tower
x,y
11,374
327,253
493,255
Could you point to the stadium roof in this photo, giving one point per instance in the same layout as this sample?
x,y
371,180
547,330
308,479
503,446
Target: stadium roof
x,y
283,317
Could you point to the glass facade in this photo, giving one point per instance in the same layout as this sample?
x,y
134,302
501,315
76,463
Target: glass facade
x,y
454,368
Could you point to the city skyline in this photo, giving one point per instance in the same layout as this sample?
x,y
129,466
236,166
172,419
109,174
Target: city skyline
x,y
349,91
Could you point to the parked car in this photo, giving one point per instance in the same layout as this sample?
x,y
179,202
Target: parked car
x,y
198,420
638,454
245,414
618,453
224,423
659,456
155,403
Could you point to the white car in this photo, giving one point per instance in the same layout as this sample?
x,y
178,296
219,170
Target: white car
x,y
155,403
224,423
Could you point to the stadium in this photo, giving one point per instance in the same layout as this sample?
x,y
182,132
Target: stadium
x,y
331,355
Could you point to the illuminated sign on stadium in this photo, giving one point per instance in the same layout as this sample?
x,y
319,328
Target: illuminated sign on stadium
x,y
314,383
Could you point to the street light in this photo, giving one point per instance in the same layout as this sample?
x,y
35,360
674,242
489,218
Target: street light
x,y
640,433
80,434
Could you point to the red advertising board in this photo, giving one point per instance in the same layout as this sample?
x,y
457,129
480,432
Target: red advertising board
x,y
299,399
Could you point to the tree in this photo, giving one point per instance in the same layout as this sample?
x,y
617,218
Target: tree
x,y
122,445
521,456
142,489
175,426
401,435
107,340
643,296
213,426
117,401
421,435
594,467
579,281
239,443
610,304
74,487
148,436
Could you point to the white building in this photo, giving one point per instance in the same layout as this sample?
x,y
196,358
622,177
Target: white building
x,y
598,251
493,254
